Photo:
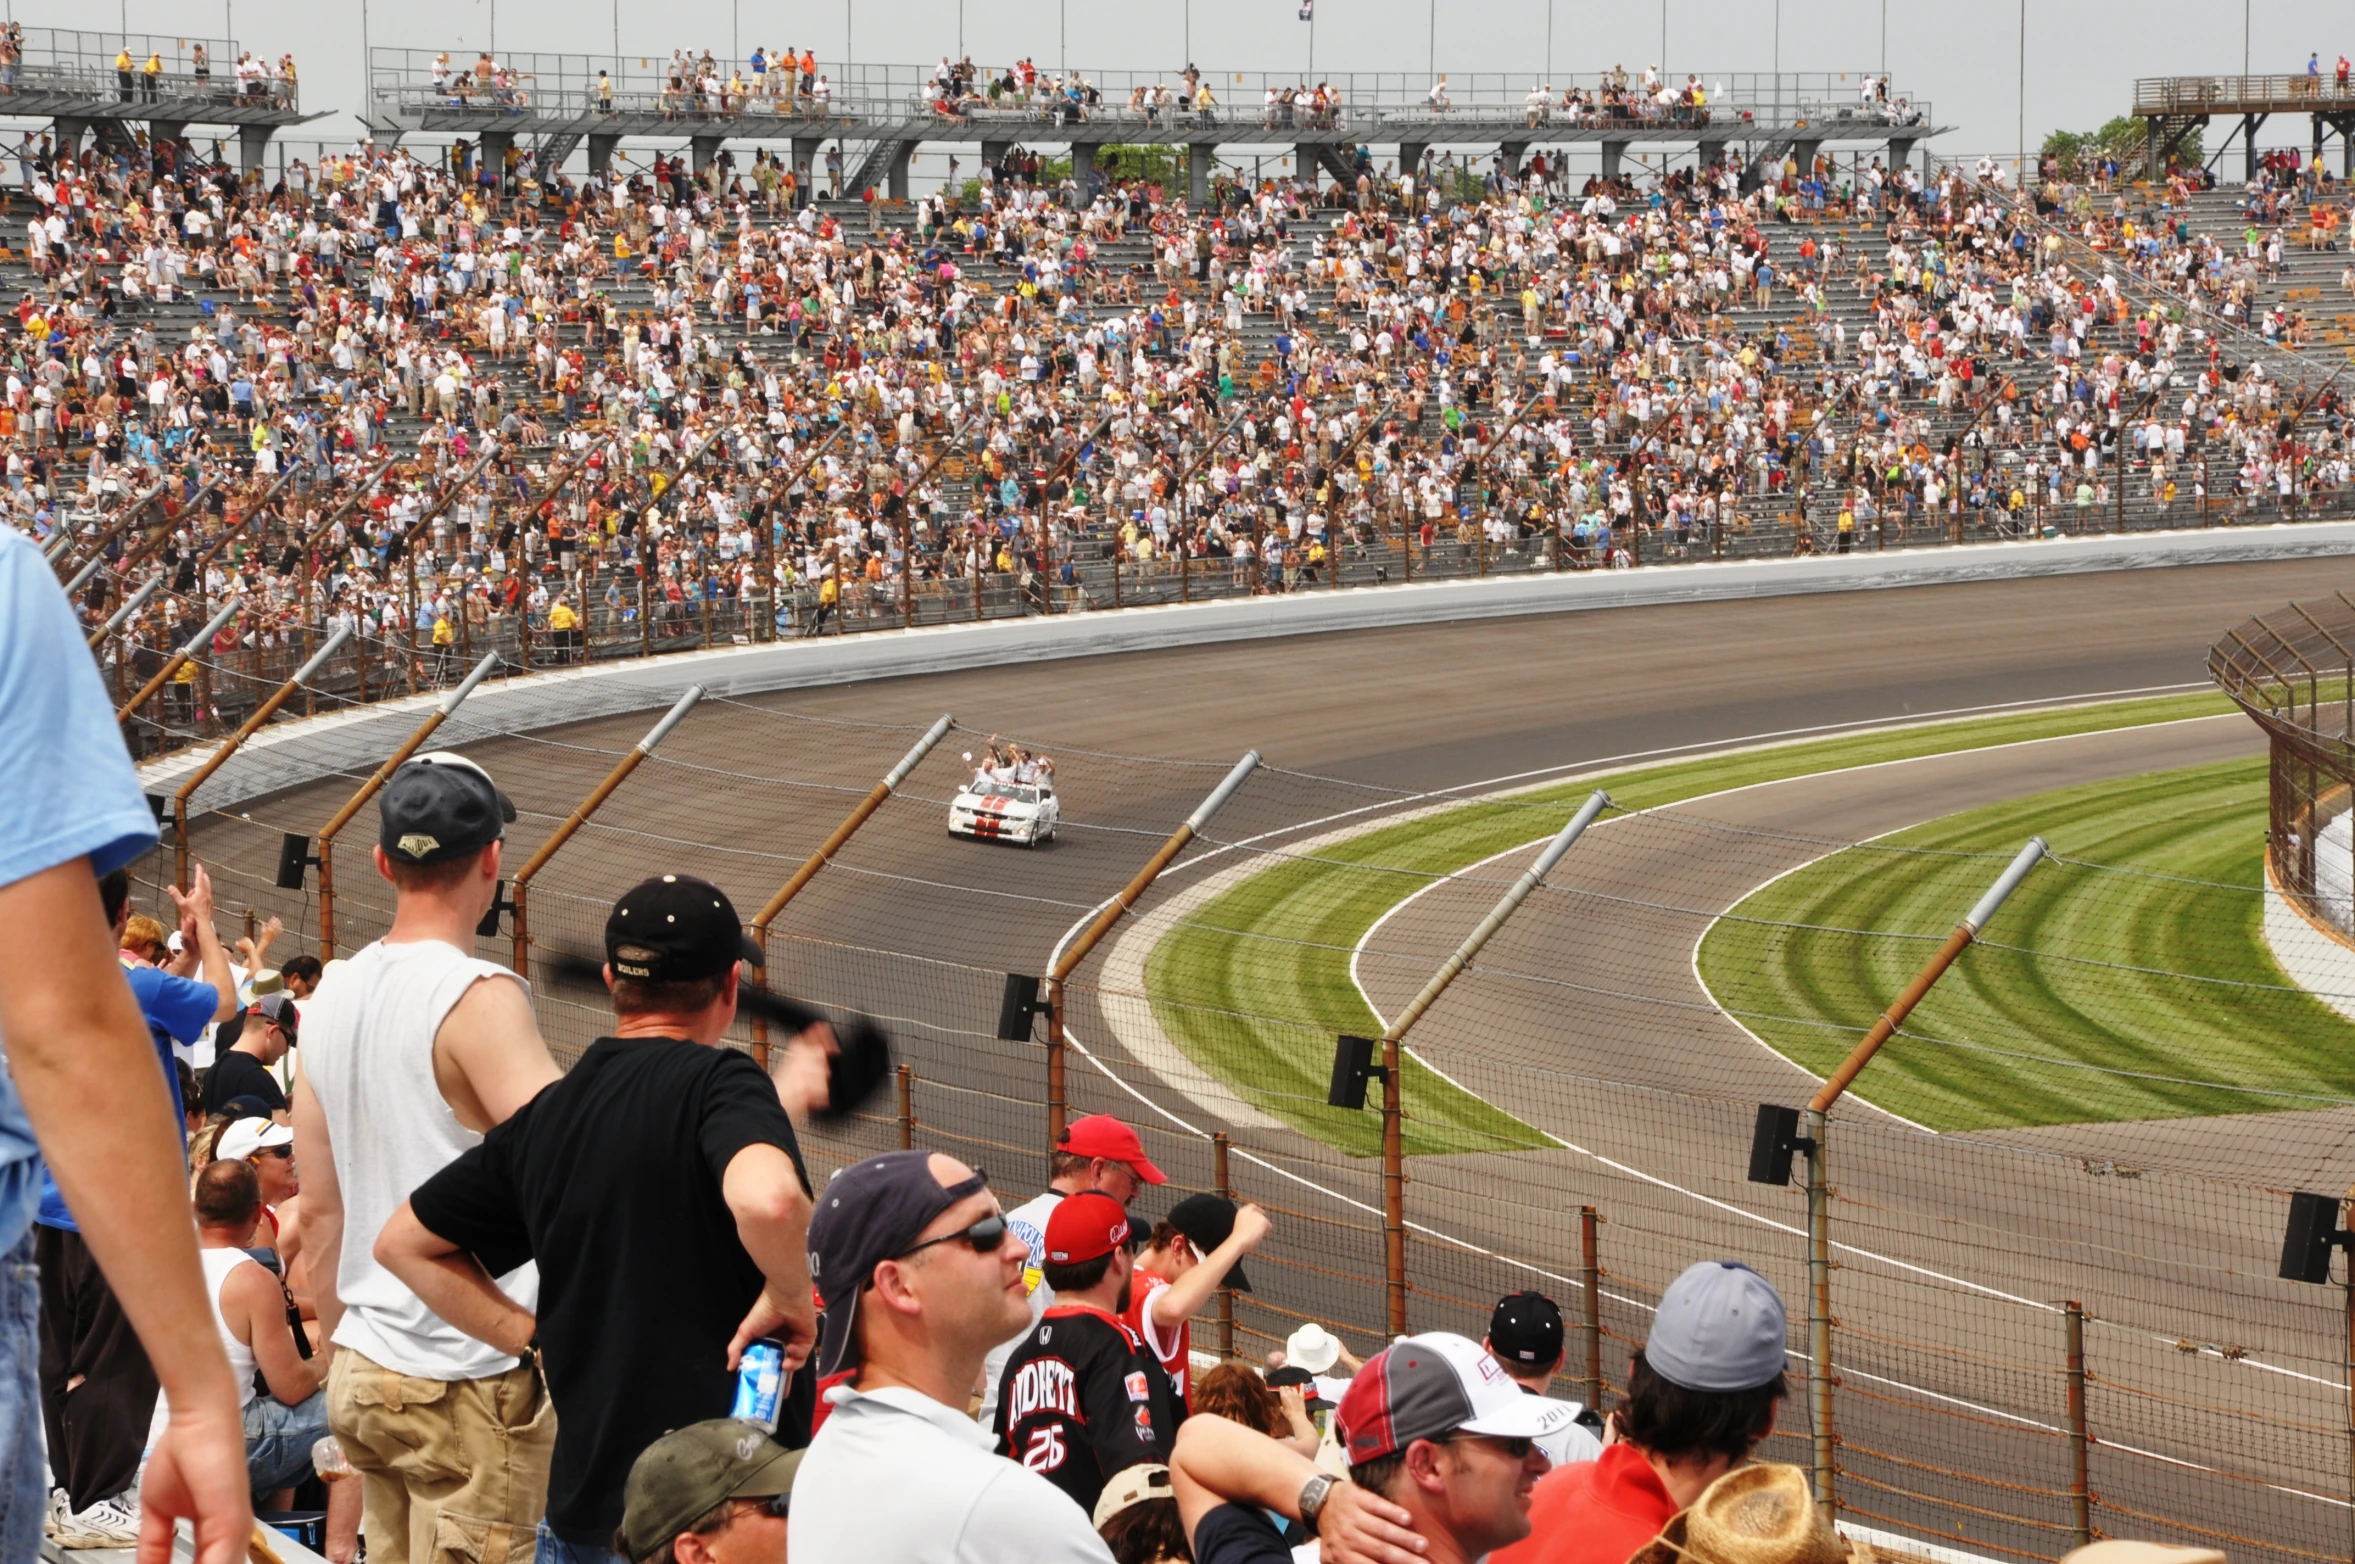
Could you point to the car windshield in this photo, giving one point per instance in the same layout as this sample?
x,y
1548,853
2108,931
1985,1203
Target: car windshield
x,y
1013,795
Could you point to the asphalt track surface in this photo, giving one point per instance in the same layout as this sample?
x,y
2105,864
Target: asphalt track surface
x,y
1957,1253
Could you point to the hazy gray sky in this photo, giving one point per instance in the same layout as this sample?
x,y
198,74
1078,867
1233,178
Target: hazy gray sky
x,y
2082,56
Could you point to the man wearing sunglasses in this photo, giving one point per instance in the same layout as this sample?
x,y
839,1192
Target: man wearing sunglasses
x,y
715,1492
659,1186
1084,1398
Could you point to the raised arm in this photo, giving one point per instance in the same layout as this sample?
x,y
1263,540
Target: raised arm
x,y
196,928
1184,1298
1217,1462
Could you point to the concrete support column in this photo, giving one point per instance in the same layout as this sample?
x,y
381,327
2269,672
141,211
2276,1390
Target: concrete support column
x,y
994,152
1198,156
2153,140
253,145
160,131
601,154
704,151
1304,164
896,170
1083,167
492,147
1900,152
1512,152
1803,153
67,134
1613,153
805,163
2249,125
1410,159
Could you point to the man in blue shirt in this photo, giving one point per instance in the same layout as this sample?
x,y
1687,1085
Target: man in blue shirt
x,y
76,1078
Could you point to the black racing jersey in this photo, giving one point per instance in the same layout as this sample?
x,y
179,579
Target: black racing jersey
x,y
1083,1398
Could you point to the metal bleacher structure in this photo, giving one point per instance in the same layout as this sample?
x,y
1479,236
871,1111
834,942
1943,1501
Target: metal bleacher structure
x,y
559,101
74,80
2172,107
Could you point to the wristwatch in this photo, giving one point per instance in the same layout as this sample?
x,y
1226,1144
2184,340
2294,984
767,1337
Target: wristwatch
x,y
1313,1494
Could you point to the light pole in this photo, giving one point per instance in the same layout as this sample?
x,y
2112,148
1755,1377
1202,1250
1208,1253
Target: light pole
x,y
2020,160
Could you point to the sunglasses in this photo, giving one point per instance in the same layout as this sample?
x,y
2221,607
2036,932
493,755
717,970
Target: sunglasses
x,y
773,1506
1514,1449
274,1151
985,1236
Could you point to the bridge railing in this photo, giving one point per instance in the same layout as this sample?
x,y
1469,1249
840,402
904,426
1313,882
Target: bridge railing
x,y
2293,93
88,64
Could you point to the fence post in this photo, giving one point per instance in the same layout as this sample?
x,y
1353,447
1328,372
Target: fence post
x,y
2080,1494
825,855
368,789
1394,1036
1819,1191
580,817
179,659
261,714
1226,1293
1819,1312
907,1107
1068,959
1590,1277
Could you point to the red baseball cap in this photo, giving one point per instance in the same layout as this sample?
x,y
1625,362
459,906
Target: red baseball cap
x,y
1102,1135
1085,1226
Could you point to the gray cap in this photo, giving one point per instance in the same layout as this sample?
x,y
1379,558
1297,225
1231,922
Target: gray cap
x,y
1720,1328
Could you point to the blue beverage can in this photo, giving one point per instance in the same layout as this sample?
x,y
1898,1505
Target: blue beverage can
x,y
760,1384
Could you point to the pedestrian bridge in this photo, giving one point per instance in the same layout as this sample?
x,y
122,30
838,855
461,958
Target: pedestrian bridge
x,y
548,104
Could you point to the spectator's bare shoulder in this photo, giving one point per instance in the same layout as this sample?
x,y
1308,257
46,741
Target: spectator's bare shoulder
x,y
488,1057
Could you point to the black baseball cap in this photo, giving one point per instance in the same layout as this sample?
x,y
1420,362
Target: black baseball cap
x,y
870,1212
1208,1221
440,806
675,928
1526,1328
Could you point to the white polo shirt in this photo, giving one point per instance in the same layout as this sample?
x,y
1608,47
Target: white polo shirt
x,y
895,1475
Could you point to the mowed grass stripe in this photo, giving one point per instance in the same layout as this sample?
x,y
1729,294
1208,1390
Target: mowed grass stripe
x,y
2072,1011
1254,986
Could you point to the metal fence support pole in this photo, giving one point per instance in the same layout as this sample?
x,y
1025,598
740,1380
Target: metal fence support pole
x,y
1590,1278
1226,1295
179,659
1394,1036
580,817
368,789
1819,1315
907,1107
261,714
1820,1382
2080,1493
1067,961
825,855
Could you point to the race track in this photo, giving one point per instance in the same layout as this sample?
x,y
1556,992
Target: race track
x,y
1958,1251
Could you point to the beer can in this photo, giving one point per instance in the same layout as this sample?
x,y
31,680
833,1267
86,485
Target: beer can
x,y
760,1385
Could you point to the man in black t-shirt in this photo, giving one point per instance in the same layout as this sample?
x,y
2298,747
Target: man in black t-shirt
x,y
660,1188
1082,1396
243,1068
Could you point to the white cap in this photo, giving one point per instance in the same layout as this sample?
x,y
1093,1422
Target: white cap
x,y
247,1136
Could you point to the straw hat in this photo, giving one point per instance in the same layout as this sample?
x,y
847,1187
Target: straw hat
x,y
2142,1553
1760,1514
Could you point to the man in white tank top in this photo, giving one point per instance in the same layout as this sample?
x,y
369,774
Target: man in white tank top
x,y
411,1050
286,1414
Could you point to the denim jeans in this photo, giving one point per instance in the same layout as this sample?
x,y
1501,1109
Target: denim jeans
x,y
278,1439
552,1549
23,1494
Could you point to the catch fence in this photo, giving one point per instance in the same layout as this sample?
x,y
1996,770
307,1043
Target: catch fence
x,y
2054,1218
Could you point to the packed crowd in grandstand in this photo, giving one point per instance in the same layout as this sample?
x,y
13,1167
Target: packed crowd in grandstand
x,y
452,404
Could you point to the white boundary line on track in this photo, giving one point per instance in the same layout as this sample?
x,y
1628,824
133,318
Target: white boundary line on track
x,y
1638,1174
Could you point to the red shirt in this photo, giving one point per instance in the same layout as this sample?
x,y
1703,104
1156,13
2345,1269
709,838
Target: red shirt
x,y
1597,1512
1175,1349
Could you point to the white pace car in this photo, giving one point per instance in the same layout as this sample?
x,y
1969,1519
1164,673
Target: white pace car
x,y
1006,812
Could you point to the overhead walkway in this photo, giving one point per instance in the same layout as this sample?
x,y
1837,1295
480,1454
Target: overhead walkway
x,y
2172,107
75,81
549,104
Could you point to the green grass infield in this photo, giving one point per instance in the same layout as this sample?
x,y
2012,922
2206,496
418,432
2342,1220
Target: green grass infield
x,y
1254,986
2139,990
